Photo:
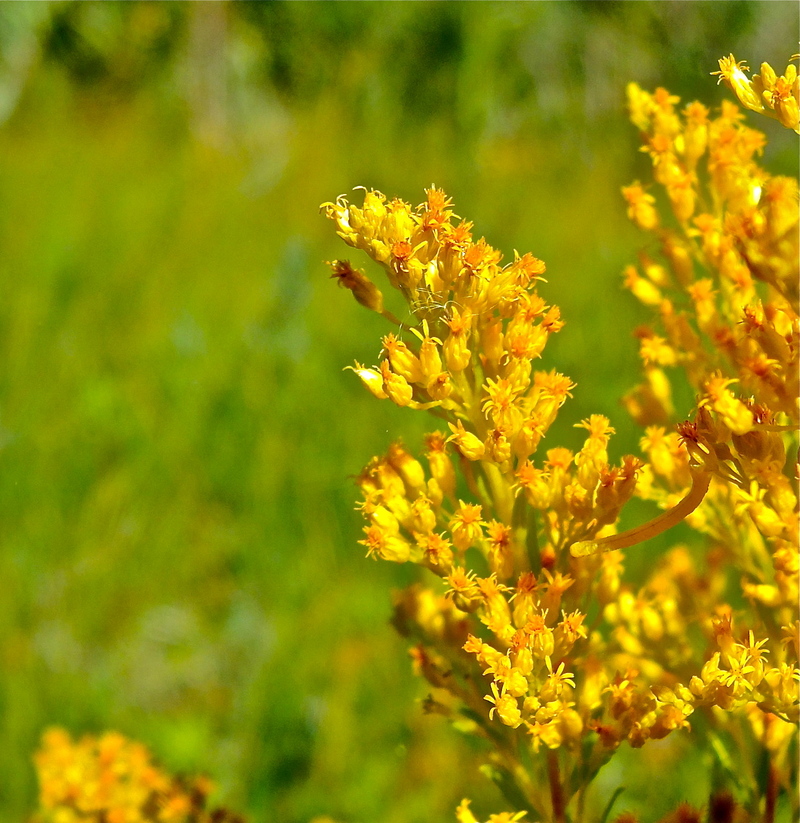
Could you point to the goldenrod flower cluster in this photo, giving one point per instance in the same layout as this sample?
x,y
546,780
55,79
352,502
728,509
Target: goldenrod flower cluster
x,y
531,638
111,779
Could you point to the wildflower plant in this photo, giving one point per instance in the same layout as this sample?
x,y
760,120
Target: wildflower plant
x,y
111,779
522,621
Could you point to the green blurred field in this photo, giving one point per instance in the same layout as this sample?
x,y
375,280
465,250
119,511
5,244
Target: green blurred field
x,y
177,546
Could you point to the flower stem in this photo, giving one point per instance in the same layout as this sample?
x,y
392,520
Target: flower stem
x,y
556,790
772,795
638,534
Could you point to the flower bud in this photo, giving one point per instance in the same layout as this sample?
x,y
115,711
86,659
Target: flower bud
x,y
467,443
372,379
364,290
395,386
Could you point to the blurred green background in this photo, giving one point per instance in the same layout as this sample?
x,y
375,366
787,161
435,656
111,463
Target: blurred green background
x,y
177,544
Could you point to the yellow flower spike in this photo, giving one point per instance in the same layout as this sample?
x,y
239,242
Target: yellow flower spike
x,y
339,212
736,674
407,270
666,167
666,457
492,341
783,681
650,402
598,427
700,482
437,209
479,326
559,461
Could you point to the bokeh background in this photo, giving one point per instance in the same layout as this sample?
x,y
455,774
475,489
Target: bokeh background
x,y
178,554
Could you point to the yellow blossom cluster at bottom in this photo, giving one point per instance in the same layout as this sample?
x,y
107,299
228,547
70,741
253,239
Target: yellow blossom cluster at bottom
x,y
111,779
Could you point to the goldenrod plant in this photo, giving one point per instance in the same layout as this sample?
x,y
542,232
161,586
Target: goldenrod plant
x,y
111,779
521,620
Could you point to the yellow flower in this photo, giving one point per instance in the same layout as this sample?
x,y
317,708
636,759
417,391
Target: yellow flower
x,y
371,378
467,443
640,206
111,778
506,707
395,386
780,94
732,73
